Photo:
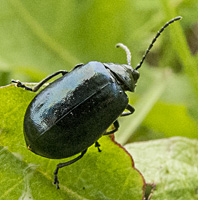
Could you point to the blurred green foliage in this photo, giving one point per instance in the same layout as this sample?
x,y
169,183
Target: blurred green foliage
x,y
40,37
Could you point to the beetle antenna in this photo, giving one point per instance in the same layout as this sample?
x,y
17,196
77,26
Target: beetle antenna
x,y
128,53
155,38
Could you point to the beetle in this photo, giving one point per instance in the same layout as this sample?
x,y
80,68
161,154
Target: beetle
x,y
75,110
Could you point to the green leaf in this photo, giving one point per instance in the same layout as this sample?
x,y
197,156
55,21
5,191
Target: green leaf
x,y
106,175
170,164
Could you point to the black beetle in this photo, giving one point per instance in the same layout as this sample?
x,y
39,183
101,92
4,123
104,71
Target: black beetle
x,y
74,111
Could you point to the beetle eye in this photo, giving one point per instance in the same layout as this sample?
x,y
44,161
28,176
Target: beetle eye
x,y
136,75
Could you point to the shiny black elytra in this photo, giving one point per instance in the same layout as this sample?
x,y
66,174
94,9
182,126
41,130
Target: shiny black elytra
x,y
74,111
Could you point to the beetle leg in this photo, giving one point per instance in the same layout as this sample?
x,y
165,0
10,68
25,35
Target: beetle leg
x,y
78,65
60,165
35,88
131,110
98,145
116,125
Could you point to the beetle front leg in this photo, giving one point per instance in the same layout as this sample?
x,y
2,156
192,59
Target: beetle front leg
x,y
60,165
116,125
36,88
131,110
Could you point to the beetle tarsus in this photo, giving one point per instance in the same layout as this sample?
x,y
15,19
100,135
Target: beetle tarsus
x,y
98,146
20,84
56,179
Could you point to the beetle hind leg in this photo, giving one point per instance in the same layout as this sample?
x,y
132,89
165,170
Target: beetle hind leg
x,y
60,165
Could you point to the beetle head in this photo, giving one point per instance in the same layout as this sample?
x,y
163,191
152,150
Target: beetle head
x,y
125,74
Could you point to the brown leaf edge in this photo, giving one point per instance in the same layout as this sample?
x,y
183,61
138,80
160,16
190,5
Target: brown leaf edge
x,y
133,165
